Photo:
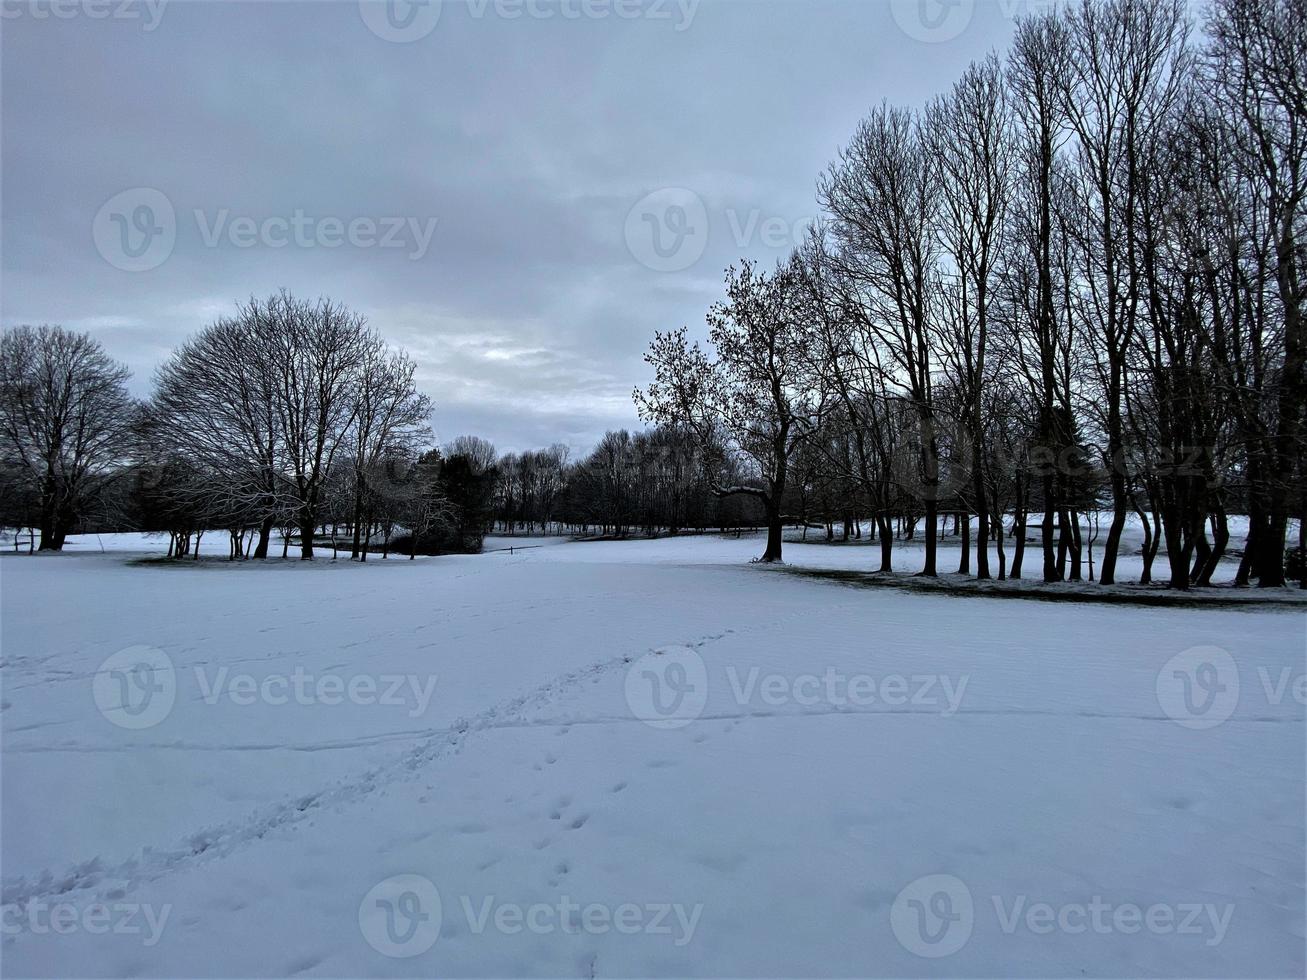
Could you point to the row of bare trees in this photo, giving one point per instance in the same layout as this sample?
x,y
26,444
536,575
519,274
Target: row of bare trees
x,y
1074,281
261,412
651,482
289,415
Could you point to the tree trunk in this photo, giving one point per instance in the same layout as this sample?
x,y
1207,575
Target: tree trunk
x,y
1220,541
358,514
886,543
265,535
1120,502
1147,576
999,549
1302,544
1250,545
1052,566
982,516
1020,521
1076,546
1270,573
932,534
1177,555
774,532
51,540
1019,542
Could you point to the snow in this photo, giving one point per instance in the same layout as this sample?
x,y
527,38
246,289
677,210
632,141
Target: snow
x,y
821,774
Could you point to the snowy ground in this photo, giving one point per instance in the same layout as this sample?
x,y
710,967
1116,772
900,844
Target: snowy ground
x,y
635,759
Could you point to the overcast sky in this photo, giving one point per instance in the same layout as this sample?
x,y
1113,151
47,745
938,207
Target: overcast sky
x,y
519,193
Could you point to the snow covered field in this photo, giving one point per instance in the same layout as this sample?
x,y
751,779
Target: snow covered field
x,y
635,759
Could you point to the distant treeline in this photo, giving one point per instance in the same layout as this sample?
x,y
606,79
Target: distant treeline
x,y
1073,284
291,420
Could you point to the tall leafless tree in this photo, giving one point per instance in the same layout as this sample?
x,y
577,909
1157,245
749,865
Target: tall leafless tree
x,y
757,396
882,193
66,422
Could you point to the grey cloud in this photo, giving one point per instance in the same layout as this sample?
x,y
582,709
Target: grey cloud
x,y
528,140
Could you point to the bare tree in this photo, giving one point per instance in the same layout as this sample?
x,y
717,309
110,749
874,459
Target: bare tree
x,y
757,396
66,421
966,131
1256,76
316,351
390,420
1129,59
479,452
846,350
882,192
1036,75
215,405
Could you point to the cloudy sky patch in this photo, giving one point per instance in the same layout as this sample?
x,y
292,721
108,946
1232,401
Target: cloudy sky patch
x,y
471,191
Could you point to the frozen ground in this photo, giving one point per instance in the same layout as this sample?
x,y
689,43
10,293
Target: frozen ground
x,y
635,759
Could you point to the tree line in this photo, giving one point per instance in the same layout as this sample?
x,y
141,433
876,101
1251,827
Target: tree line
x,y
1073,282
1071,285
289,415
292,417
658,481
